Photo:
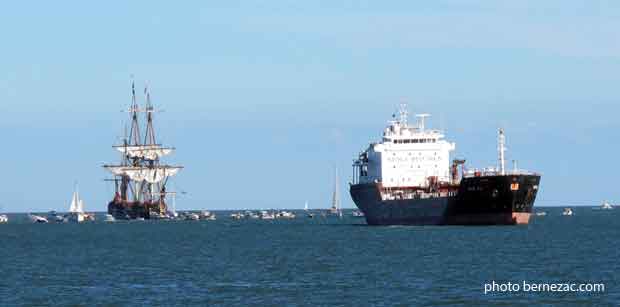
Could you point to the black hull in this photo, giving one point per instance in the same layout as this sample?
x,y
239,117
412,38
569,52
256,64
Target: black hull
x,y
485,200
136,210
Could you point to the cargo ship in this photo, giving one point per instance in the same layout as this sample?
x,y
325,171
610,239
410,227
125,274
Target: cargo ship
x,y
408,179
140,178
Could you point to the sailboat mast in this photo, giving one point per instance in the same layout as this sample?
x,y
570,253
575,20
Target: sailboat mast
x,y
336,196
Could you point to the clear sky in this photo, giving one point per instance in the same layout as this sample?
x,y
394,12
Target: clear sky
x,y
263,98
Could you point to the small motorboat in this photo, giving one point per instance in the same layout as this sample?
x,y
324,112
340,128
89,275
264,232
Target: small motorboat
x,y
285,215
207,215
265,215
357,213
191,216
37,218
236,216
541,213
567,211
606,206
4,218
55,217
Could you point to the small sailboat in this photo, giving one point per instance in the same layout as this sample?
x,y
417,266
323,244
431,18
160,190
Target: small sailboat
x,y
567,212
308,213
76,209
335,209
173,214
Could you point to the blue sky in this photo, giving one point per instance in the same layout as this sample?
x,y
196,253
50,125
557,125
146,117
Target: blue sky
x,y
263,98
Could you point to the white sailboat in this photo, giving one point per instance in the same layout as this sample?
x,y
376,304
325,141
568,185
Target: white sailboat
x,y
335,209
310,214
76,208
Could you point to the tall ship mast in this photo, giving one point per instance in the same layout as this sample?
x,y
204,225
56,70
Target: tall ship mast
x,y
140,178
407,179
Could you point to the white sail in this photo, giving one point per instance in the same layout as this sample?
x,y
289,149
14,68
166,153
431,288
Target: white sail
x,y
80,208
336,195
306,206
150,152
75,199
117,170
148,174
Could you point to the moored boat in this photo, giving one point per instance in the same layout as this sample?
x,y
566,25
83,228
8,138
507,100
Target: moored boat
x,y
285,215
55,217
76,209
37,218
266,215
606,206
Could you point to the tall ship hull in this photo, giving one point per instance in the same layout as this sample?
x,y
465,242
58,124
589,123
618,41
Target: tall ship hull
x,y
408,179
123,210
489,200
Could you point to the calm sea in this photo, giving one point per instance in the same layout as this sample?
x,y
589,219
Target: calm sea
x,y
308,262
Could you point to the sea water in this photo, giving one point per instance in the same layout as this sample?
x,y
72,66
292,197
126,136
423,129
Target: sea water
x,y
308,262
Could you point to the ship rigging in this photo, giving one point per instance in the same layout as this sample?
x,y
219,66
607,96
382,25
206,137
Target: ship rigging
x,y
140,178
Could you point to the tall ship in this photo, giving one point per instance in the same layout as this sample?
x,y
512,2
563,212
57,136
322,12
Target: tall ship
x,y
141,176
408,179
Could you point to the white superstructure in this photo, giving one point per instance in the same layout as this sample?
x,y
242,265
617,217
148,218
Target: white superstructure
x,y
407,156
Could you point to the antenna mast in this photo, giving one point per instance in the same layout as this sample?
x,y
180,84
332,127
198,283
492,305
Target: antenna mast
x,y
403,114
421,119
501,148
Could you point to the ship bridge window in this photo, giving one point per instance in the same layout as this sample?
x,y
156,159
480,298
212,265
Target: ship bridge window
x,y
407,141
415,141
